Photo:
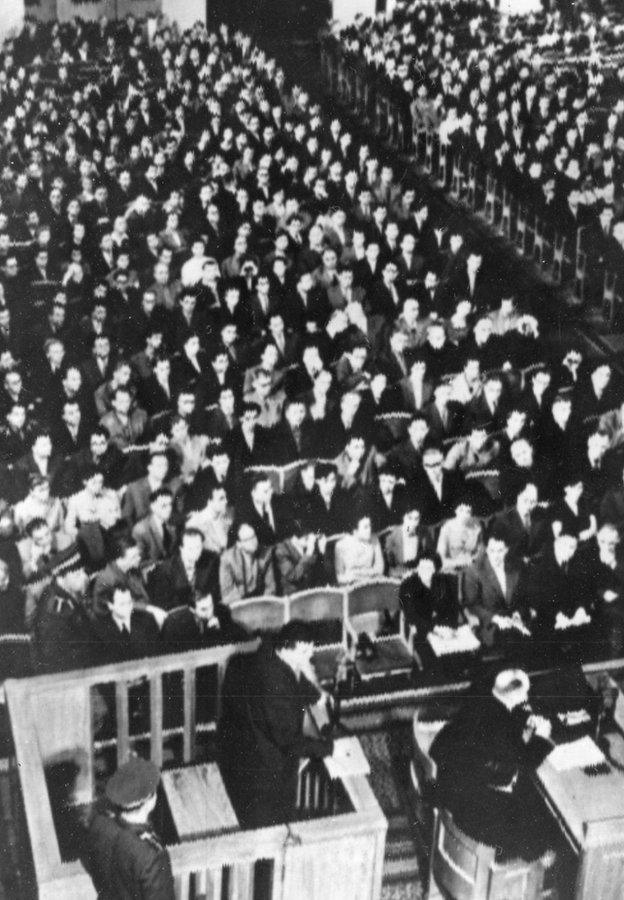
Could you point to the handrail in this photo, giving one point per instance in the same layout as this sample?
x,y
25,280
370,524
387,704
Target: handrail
x,y
57,879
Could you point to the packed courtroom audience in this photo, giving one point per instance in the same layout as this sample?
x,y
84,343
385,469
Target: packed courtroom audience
x,y
536,101
240,358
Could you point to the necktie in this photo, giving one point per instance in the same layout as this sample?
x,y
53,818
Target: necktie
x,y
166,538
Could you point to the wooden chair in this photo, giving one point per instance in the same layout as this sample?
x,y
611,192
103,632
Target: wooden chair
x,y
489,209
457,177
504,227
610,297
367,605
521,228
260,615
559,257
472,186
443,166
430,138
463,869
542,247
325,608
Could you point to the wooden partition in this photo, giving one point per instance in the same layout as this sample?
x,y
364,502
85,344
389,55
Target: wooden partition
x,y
54,720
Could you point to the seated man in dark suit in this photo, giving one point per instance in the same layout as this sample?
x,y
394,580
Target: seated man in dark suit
x,y
329,505
299,560
406,458
485,757
293,437
191,569
438,490
123,631
527,531
201,624
493,590
262,510
559,588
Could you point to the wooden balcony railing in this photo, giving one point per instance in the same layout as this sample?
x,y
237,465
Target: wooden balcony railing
x,y
57,720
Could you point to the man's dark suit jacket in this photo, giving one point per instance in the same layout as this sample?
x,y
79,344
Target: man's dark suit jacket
x,y
169,586
183,630
115,646
524,544
477,751
553,588
407,460
432,508
153,398
261,738
483,596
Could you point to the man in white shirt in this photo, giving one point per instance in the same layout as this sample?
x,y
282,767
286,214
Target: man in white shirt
x,y
192,270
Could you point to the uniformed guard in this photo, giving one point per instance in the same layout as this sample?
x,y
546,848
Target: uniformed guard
x,y
124,856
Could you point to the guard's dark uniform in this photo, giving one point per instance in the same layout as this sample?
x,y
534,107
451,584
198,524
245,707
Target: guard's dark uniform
x,y
127,861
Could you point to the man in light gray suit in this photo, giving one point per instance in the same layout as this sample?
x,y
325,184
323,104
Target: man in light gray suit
x,y
154,533
493,587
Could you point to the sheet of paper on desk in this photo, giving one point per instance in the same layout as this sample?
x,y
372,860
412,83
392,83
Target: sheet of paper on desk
x,y
576,755
459,640
347,759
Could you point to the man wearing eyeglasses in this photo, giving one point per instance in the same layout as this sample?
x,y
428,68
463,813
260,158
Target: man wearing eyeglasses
x,y
438,489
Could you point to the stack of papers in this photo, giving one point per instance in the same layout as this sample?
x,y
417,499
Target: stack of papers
x,y
580,617
574,718
347,759
576,755
453,640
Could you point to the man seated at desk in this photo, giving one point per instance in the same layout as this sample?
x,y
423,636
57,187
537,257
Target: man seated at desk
x,y
261,738
485,756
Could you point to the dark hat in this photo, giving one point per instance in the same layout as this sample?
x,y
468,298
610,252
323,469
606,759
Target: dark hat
x,y
133,783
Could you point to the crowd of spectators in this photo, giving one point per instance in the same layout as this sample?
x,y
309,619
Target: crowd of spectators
x,y
239,358
536,101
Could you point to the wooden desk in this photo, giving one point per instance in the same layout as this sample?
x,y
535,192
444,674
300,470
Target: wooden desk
x,y
590,812
199,804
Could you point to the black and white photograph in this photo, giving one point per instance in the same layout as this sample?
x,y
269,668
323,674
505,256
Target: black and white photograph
x,y
311,450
